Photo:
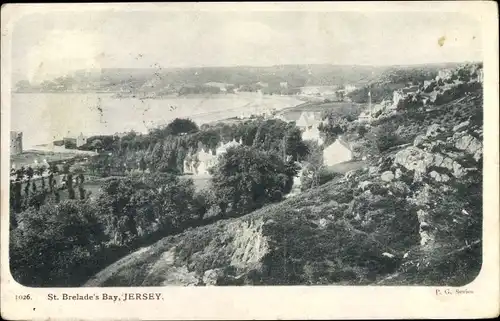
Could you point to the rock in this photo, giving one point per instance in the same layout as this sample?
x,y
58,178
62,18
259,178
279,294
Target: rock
x,y
469,144
322,223
363,185
434,130
372,170
478,154
458,170
398,173
414,159
419,140
349,174
422,196
389,255
461,126
210,277
419,161
399,188
436,146
427,236
439,177
387,176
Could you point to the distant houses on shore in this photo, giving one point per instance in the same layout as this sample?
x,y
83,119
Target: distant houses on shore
x,y
71,142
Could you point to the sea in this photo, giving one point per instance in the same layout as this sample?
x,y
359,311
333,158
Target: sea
x,y
45,117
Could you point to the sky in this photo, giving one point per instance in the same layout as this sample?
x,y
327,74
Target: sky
x,y
45,45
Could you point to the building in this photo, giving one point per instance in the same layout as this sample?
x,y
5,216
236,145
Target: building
x,y
338,152
349,88
16,142
200,162
313,134
222,86
81,140
284,84
307,120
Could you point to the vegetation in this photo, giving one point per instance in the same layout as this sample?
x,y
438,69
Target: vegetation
x,y
246,179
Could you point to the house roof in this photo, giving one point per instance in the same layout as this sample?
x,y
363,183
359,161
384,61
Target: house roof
x,y
308,119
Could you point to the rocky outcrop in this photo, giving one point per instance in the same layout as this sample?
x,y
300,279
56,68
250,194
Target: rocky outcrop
x,y
421,162
437,157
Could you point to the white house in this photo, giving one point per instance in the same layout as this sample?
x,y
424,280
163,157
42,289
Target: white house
x,y
224,147
338,152
313,134
307,120
81,140
204,159
349,88
200,162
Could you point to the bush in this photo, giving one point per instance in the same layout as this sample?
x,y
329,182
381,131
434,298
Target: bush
x,y
247,178
384,136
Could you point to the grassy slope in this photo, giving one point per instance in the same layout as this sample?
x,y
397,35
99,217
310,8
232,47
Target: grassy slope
x,y
304,240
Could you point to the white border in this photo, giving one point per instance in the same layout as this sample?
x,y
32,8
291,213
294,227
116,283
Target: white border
x,y
277,302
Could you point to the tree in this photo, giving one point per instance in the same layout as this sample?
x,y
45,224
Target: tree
x,y
178,126
312,166
30,172
69,182
53,245
142,164
97,145
384,136
247,178
202,202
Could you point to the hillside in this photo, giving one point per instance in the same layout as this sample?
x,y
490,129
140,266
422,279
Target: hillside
x,y
412,217
159,80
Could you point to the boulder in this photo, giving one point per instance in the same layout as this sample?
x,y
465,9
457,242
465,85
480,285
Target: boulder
x,y
461,126
363,185
439,177
419,161
398,173
419,140
399,188
414,159
434,130
211,277
387,176
469,144
372,170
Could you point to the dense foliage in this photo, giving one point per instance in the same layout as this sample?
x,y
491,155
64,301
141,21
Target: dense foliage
x,y
247,178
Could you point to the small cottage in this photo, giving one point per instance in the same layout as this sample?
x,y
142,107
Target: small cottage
x,y
338,152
